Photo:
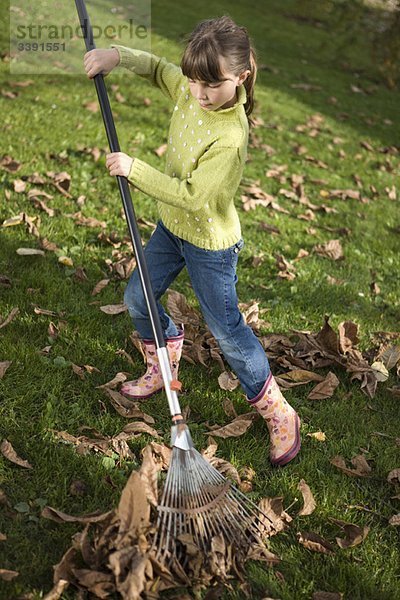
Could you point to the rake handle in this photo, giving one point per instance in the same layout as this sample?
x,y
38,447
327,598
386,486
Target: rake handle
x,y
123,185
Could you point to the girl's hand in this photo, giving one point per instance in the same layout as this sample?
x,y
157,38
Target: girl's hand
x,y
119,163
100,61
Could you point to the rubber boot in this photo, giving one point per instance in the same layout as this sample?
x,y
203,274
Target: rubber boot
x,y
282,421
152,382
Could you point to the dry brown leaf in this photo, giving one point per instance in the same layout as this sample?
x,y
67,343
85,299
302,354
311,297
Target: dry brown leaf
x,y
228,381
138,427
354,535
278,518
227,405
4,366
127,408
394,476
57,590
325,389
236,428
380,371
30,252
149,474
362,468
308,499
301,376
313,541
100,286
390,356
133,508
114,309
119,378
348,336
332,249
9,164
7,575
8,452
395,520
60,517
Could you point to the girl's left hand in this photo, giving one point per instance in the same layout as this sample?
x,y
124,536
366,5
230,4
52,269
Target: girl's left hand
x,y
119,163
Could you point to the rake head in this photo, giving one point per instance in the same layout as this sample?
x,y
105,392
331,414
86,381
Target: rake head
x,y
200,504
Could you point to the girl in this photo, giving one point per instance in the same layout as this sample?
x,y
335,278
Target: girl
x,y
213,97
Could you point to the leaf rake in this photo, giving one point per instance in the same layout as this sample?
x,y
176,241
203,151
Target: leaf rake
x,y
198,504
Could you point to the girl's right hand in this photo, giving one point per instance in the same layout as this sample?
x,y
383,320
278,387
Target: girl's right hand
x,y
100,60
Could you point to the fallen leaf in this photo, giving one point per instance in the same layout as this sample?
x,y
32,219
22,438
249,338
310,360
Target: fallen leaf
x,y
4,366
348,336
380,371
327,596
14,312
7,575
308,499
9,164
390,356
8,452
395,520
362,468
325,389
57,590
60,517
394,476
277,518
236,428
229,409
100,286
313,541
19,185
332,249
354,535
318,435
228,381
30,252
119,378
114,309
66,261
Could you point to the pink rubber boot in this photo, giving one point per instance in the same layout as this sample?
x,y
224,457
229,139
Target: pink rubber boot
x,y
152,382
282,421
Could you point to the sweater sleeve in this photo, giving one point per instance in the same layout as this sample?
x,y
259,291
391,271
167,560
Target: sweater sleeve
x,y
218,172
166,76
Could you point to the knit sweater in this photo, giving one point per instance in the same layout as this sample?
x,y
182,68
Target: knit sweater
x,y
204,160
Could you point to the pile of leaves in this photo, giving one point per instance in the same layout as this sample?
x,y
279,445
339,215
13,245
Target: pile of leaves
x,y
295,357
116,551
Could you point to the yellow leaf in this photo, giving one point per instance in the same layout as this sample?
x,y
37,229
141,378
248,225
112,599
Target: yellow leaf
x,y
66,261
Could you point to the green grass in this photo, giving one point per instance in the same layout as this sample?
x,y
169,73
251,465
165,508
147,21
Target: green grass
x,y
37,394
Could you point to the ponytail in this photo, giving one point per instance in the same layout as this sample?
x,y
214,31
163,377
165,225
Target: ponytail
x,y
249,84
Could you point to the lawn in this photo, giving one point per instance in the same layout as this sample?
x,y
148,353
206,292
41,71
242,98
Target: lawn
x,y
323,113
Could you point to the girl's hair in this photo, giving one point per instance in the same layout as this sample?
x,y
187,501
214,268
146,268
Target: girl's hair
x,y
216,38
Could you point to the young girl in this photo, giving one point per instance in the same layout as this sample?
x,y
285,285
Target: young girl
x,y
212,97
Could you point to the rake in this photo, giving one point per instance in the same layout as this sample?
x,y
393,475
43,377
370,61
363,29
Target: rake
x,y
197,501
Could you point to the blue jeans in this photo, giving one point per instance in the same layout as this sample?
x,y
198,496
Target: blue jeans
x,y
213,277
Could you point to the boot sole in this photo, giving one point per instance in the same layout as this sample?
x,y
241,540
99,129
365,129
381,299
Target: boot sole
x,y
143,397
294,450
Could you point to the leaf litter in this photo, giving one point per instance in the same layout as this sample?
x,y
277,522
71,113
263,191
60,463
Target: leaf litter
x,y
114,553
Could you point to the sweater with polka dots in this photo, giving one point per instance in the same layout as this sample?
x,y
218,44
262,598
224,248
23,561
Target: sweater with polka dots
x,y
205,157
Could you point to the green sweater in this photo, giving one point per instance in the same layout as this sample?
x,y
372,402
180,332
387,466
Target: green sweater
x,y
204,160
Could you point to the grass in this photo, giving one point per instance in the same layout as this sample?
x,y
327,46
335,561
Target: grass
x,y
44,128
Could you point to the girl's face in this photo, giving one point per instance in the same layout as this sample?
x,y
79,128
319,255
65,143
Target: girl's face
x,y
217,94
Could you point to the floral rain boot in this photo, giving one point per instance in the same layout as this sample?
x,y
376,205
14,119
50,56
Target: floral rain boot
x,y
282,421
152,381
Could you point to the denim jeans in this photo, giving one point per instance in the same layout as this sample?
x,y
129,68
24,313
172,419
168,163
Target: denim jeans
x,y
213,277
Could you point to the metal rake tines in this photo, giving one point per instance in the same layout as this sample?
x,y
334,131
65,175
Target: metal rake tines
x,y
199,502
